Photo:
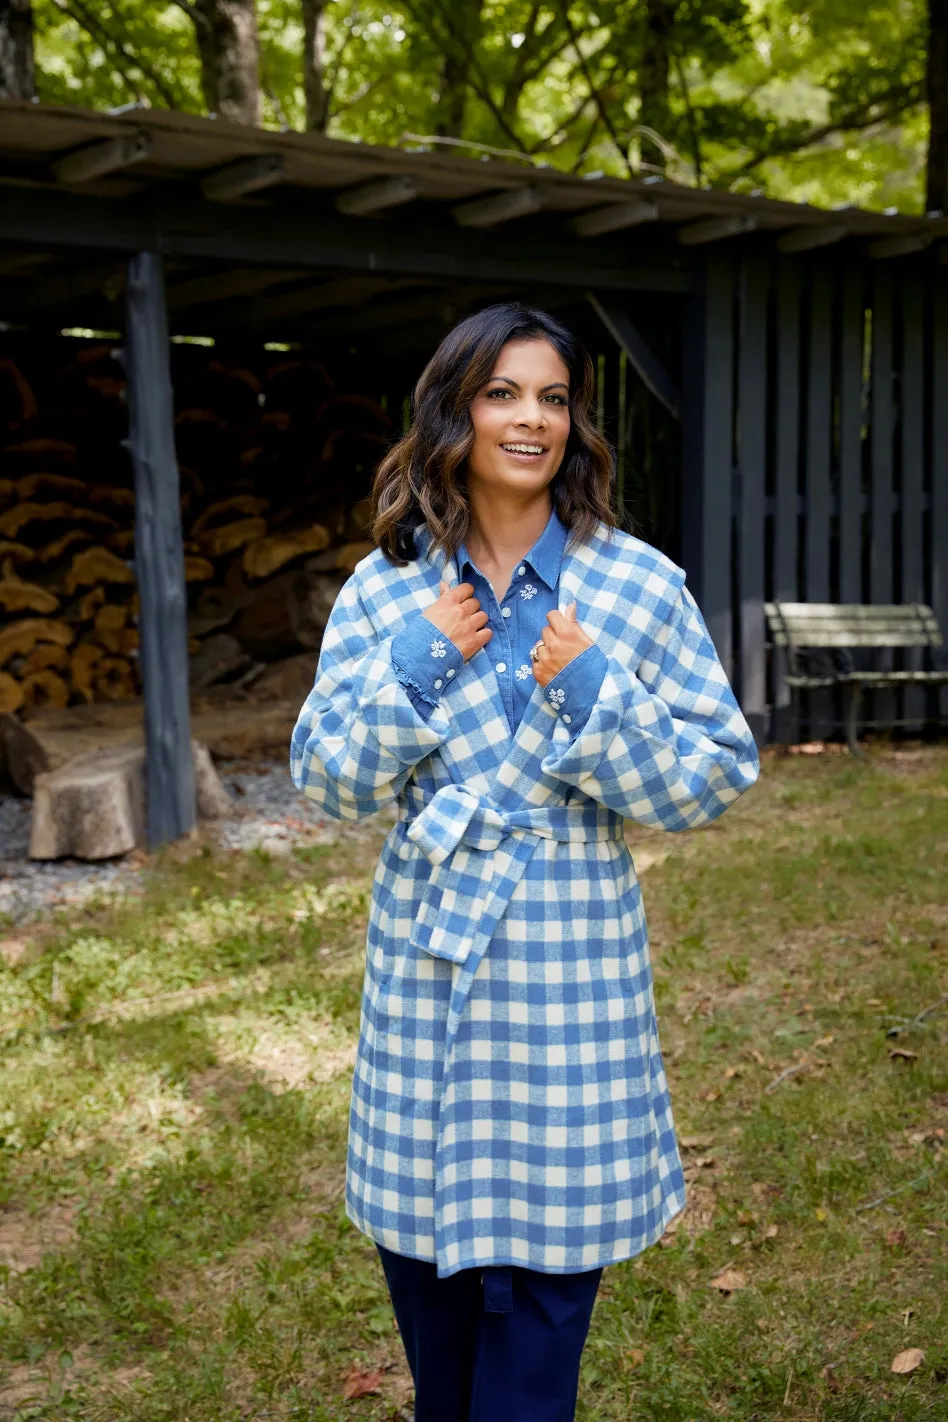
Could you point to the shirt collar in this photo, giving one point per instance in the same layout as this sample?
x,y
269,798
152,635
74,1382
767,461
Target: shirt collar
x,y
545,557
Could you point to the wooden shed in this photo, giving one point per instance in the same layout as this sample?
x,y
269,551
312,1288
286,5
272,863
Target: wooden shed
x,y
775,376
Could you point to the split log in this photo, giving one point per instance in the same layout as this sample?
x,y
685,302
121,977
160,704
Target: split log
x,y
122,541
96,565
90,603
44,688
11,695
218,541
112,494
93,807
19,596
21,637
22,515
15,552
246,504
46,657
113,679
58,484
197,570
82,665
7,491
286,614
267,556
109,623
61,450
59,546
215,608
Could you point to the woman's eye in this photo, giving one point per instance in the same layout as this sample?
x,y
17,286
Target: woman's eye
x,y
558,399
495,394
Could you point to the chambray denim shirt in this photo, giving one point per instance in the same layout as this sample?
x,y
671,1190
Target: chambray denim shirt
x,y
425,660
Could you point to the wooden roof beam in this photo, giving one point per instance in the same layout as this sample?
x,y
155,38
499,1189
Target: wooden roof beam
x,y
249,175
901,246
716,229
499,207
377,196
614,217
806,239
98,159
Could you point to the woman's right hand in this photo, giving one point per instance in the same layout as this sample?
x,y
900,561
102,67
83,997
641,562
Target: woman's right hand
x,y
457,613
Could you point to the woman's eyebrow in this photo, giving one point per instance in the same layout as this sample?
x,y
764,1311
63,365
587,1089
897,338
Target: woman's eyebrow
x,y
557,384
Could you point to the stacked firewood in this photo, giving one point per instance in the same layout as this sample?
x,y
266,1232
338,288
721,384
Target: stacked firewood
x,y
275,467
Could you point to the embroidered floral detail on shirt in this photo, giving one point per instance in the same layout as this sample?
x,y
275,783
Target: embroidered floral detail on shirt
x,y
523,671
556,695
528,591
438,648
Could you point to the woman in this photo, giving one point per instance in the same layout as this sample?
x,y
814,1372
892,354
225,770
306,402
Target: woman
x,y
521,677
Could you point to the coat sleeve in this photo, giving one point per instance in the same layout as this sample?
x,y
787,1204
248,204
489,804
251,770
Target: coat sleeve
x,y
665,744
358,737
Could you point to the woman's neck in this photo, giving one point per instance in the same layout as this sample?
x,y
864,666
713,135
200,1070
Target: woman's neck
x,y
501,531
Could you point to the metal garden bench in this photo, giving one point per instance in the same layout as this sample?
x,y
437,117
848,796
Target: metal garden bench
x,y
834,631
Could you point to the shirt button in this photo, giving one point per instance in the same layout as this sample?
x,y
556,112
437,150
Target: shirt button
x,y
450,671
521,570
438,684
501,666
566,716
505,612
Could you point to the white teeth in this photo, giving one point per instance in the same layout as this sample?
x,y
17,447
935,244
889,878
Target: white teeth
x,y
524,448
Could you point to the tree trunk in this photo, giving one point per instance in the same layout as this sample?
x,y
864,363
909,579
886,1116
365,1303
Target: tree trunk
x,y
314,65
936,199
229,50
654,72
17,75
465,26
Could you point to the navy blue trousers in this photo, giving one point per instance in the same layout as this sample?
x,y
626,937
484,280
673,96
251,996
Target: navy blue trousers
x,y
491,1345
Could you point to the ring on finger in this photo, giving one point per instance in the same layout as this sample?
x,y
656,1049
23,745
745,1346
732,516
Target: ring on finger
x,y
535,650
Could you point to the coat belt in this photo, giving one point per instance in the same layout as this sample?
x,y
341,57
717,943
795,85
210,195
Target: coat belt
x,y
479,853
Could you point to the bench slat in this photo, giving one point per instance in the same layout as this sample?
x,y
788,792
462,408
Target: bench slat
x,y
801,624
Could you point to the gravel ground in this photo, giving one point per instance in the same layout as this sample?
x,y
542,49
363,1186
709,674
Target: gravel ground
x,y
271,814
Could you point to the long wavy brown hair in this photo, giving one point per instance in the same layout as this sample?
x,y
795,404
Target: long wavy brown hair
x,y
423,478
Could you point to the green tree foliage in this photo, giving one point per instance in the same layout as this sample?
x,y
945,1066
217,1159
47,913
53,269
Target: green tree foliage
x,y
822,100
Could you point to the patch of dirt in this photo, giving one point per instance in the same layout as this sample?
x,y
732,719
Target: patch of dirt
x,y
26,1237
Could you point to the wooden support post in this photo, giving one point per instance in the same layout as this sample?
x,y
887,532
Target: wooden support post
x,y
938,523
786,587
912,469
708,449
159,557
818,469
752,463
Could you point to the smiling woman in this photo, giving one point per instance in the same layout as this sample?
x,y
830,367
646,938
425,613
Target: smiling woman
x,y
520,676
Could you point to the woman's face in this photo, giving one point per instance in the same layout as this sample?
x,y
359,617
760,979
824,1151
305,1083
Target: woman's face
x,y
521,420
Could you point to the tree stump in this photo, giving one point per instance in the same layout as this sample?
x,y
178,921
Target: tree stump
x,y
94,806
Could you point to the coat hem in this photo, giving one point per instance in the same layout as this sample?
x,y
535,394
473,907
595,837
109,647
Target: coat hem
x,y
672,1206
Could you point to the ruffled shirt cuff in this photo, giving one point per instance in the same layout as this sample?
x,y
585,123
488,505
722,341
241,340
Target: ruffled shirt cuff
x,y
425,662
574,692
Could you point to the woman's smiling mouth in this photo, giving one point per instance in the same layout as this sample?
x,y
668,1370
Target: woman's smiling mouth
x,y
523,450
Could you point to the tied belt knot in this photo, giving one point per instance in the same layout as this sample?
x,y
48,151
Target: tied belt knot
x,y
479,852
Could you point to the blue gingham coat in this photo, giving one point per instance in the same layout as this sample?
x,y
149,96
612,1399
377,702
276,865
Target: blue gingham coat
x,y
509,1103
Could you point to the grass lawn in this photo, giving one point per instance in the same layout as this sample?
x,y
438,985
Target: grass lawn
x,y
173,1088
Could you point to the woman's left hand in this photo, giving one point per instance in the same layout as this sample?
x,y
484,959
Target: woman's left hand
x,y
562,640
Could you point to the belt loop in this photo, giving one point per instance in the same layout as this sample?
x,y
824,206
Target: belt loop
x,y
498,1290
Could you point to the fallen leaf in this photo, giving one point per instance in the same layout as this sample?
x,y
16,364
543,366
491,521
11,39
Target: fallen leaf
x,y
907,1361
729,1280
636,1357
704,1162
821,1214
895,1238
824,1041
731,1071
829,1374
904,1053
360,1384
771,1232
695,1142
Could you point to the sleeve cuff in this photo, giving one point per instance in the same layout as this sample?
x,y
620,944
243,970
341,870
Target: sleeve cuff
x,y
574,692
425,660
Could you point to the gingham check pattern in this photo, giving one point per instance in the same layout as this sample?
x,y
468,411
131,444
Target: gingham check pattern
x,y
509,1102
